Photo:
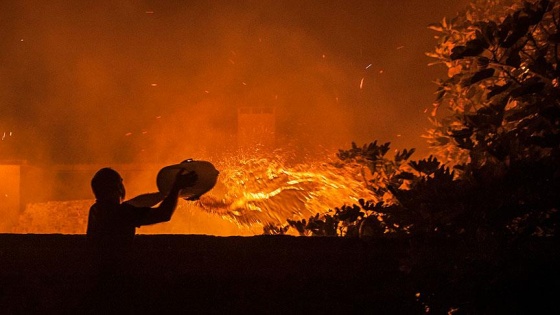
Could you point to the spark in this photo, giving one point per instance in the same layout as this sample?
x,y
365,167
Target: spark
x,y
400,47
362,83
150,12
128,134
244,83
380,71
452,311
21,40
154,84
206,91
324,56
368,66
158,117
4,136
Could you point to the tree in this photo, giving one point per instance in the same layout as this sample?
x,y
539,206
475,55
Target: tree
x,y
490,208
502,102
497,135
502,94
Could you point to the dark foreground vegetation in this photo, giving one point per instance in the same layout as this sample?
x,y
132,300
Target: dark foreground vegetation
x,y
483,211
189,274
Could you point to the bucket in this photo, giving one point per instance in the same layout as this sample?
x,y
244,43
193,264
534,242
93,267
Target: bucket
x,y
206,172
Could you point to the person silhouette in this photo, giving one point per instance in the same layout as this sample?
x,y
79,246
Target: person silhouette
x,y
111,229
112,221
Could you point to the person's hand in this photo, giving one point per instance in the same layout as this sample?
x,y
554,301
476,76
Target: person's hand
x,y
185,179
193,198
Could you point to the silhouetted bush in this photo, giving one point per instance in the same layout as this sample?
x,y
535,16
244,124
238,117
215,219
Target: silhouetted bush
x,y
482,213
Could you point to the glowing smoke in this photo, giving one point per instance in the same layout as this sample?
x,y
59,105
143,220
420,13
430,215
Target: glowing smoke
x,y
147,80
160,81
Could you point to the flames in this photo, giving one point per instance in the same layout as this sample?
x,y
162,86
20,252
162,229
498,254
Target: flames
x,y
252,191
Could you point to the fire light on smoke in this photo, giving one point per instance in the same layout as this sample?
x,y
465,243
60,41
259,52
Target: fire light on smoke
x,y
125,83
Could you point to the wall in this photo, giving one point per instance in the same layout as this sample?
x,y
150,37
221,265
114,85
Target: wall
x,y
195,274
204,274
10,191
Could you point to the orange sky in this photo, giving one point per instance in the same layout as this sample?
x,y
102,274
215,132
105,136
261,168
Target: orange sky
x,y
85,81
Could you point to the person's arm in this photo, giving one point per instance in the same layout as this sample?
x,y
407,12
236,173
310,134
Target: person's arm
x,y
146,200
164,211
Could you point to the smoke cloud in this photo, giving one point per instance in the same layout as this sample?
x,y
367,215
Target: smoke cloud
x,y
140,80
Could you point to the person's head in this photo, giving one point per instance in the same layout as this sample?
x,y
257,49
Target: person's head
x,y
107,185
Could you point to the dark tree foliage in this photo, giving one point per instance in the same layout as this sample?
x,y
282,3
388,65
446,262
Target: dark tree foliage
x,y
498,145
501,127
485,206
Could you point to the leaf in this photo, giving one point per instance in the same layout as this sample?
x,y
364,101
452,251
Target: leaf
x,y
497,89
478,42
482,62
489,30
535,16
454,70
499,105
432,54
443,174
519,114
349,213
514,59
462,133
442,140
469,16
481,75
521,27
534,87
426,166
440,95
554,38
457,52
547,141
436,27
465,143
404,155
405,175
505,28
541,66
472,48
